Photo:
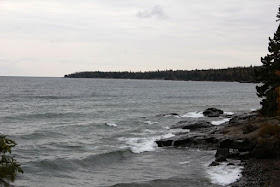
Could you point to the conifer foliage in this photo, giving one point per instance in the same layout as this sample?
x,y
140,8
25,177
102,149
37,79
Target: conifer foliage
x,y
269,75
9,167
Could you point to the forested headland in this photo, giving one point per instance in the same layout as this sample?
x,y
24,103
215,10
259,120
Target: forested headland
x,y
238,74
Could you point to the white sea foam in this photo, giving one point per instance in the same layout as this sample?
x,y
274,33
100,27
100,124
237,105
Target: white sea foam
x,y
185,162
168,135
219,122
193,115
143,144
144,132
176,131
150,122
170,115
111,124
139,145
228,113
224,174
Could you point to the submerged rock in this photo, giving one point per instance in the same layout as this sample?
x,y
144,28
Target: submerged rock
x,y
214,163
212,112
221,159
169,114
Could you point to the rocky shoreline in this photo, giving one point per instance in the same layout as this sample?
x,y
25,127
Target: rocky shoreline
x,y
249,138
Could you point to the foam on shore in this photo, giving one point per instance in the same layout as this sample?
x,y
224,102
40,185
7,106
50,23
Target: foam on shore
x,y
223,174
219,122
193,115
228,113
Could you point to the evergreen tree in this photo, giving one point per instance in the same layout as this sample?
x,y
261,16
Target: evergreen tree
x,y
9,167
269,75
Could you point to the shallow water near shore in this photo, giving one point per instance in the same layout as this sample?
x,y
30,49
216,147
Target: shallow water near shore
x,y
102,132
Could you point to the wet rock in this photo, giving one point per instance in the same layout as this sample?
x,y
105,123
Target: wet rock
x,y
242,145
222,152
212,112
212,139
245,155
242,118
188,140
168,115
234,153
171,114
164,142
221,159
214,163
230,164
191,124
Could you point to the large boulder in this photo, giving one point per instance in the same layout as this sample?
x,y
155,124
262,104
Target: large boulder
x,y
191,124
242,145
187,140
212,112
222,152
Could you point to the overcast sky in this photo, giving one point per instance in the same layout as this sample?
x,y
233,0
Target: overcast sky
x,y
57,37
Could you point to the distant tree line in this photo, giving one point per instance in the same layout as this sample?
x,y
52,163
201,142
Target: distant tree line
x,y
238,74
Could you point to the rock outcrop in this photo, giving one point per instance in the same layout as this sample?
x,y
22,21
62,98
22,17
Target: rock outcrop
x,y
212,112
192,124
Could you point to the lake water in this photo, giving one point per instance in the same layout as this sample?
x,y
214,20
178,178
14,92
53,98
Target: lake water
x,y
102,132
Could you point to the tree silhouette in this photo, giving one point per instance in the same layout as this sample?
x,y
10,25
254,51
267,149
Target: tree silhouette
x,y
269,75
9,167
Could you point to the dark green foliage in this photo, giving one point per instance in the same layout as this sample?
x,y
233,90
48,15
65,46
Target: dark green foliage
x,y
269,75
238,74
278,15
9,167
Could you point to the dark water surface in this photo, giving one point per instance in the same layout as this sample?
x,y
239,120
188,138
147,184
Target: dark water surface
x,y
101,132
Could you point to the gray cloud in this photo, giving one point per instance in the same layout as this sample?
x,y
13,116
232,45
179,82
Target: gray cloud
x,y
155,11
72,35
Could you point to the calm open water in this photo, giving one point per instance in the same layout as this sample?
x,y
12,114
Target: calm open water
x,y
101,132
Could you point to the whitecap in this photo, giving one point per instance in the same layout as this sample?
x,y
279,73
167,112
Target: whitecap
x,y
168,135
185,162
144,132
171,115
143,144
150,122
177,131
193,115
139,145
228,113
112,124
224,174
219,122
